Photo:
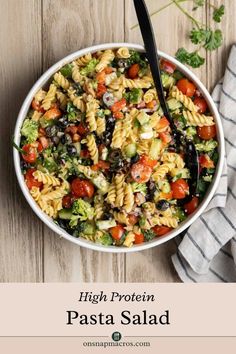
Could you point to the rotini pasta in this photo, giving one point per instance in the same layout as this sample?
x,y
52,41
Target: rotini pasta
x,y
100,158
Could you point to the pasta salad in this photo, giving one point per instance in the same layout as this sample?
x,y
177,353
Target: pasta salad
x,y
98,156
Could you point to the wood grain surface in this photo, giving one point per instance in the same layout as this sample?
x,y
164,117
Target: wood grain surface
x,y
33,35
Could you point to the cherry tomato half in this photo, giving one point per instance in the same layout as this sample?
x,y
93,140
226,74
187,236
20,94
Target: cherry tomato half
x,y
52,113
119,105
206,162
147,161
139,238
141,173
186,87
167,66
161,230
117,232
207,132
30,180
67,201
191,206
101,89
179,188
163,123
30,154
82,188
201,104
133,71
82,129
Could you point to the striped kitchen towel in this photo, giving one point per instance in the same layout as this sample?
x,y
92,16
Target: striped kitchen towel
x,y
207,253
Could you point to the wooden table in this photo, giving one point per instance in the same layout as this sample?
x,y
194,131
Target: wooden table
x,y
33,35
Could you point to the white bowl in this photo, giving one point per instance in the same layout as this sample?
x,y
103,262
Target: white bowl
x,y
80,241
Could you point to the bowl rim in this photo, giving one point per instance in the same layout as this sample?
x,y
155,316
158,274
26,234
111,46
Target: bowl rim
x,y
82,242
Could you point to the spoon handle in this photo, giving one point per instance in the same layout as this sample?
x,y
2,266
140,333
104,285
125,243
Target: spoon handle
x,y
152,55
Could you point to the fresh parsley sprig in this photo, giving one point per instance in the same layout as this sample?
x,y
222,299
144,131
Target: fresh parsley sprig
x,y
201,35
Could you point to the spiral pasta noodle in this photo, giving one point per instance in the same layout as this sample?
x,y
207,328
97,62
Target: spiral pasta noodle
x,y
47,208
121,217
150,95
161,171
128,198
143,147
111,195
91,108
105,59
117,137
76,75
62,98
173,157
86,170
166,221
84,60
40,95
119,183
98,210
197,119
101,125
123,53
149,208
129,239
36,116
92,148
50,97
46,178
185,100
35,192
61,81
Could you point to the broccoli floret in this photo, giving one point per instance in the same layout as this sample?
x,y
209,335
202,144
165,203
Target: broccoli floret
x,y
207,178
191,131
136,57
66,70
149,235
83,210
207,145
90,67
139,187
179,214
134,96
105,239
30,130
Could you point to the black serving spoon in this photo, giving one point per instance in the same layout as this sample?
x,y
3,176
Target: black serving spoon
x,y
191,155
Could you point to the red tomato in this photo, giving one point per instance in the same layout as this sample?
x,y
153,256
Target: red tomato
x,y
119,105
139,238
191,206
52,113
207,132
117,232
167,196
186,87
101,165
44,142
30,150
40,147
72,129
82,129
167,66
147,161
100,77
161,230
82,188
67,201
42,131
30,180
179,188
133,219
133,71
141,173
101,89
36,106
201,104
163,123
165,137
118,115
206,162
84,154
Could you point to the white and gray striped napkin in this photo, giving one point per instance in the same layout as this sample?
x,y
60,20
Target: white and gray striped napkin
x,y
207,253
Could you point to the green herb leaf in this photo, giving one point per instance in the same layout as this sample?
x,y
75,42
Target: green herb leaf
x,y
192,59
214,40
198,3
218,13
198,36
